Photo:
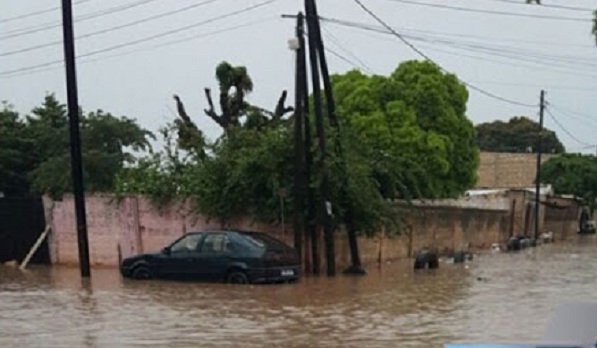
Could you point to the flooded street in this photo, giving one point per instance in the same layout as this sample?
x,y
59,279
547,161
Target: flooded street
x,y
498,298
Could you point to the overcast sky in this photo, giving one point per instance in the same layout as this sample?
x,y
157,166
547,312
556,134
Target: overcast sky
x,y
510,56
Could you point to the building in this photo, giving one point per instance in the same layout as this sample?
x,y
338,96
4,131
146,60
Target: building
x,y
508,170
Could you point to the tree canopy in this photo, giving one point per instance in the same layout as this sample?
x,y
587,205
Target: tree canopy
x,y
573,174
403,136
35,150
518,135
414,124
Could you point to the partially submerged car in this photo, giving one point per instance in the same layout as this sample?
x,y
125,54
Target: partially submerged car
x,y
237,257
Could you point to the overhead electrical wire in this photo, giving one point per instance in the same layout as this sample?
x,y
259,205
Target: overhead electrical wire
x,y
56,24
110,29
572,136
142,40
340,46
36,13
422,54
560,7
565,111
560,88
458,35
142,49
493,12
571,64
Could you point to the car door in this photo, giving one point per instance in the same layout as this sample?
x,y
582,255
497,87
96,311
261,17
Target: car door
x,y
179,261
214,256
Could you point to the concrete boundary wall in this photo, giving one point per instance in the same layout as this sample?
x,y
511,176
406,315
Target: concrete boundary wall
x,y
132,225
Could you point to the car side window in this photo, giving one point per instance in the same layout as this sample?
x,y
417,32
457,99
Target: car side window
x,y
187,244
216,243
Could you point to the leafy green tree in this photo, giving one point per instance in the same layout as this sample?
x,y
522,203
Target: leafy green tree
x,y
15,153
402,136
573,174
38,154
414,123
518,135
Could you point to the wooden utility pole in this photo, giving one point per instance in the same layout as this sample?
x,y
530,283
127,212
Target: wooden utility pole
x,y
325,204
356,266
299,141
75,137
538,177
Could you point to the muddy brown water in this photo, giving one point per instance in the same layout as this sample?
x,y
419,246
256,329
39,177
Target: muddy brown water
x,y
497,298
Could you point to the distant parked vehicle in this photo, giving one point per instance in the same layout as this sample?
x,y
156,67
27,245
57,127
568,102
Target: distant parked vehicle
x,y
236,257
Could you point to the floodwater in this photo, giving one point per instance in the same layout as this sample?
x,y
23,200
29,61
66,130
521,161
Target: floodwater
x,y
496,298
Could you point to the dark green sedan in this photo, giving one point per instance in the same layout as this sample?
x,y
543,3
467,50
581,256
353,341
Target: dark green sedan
x,y
236,257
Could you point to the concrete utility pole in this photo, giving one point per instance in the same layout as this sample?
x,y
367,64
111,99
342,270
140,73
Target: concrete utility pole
x,y
75,137
538,177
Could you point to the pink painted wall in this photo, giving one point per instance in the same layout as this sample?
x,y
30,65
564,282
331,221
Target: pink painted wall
x,y
129,226
132,225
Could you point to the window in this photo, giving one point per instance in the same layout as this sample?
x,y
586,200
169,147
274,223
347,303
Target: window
x,y
186,244
216,243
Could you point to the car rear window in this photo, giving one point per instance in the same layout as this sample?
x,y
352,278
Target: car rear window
x,y
262,240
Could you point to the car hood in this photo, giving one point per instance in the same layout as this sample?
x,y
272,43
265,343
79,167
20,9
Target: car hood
x,y
132,259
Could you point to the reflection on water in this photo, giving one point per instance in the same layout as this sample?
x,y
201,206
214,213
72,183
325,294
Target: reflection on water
x,y
499,298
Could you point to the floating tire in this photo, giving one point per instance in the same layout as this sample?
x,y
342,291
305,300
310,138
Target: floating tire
x,y
426,259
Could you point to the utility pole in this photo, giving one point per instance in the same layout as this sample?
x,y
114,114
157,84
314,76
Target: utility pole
x,y
299,141
356,267
326,204
538,177
311,204
75,138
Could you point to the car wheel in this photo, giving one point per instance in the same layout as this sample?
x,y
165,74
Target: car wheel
x,y
141,272
237,277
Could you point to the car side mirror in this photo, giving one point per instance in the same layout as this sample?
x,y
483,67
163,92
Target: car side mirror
x,y
166,251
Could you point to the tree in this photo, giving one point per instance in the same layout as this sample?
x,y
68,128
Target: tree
x,y
234,85
39,150
573,174
518,135
413,122
15,153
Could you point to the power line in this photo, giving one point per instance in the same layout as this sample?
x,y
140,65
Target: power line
x,y
572,136
341,57
459,35
338,43
572,112
561,7
46,26
37,13
164,44
513,84
107,30
419,52
493,12
145,39
569,63
576,117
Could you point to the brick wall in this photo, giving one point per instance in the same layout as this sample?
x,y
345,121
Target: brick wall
x,y
508,170
121,228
